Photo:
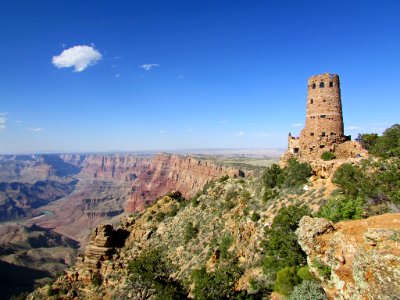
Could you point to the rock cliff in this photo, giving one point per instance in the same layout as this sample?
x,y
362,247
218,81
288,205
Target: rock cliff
x,y
354,259
152,177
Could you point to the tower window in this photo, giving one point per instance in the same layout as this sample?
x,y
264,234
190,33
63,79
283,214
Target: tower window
x,y
330,83
312,134
313,85
323,116
323,133
321,84
312,101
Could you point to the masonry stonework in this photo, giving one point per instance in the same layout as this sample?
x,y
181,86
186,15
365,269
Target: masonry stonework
x,y
324,129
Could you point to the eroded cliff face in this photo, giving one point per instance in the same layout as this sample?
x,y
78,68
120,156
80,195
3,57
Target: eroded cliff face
x,y
152,177
354,259
173,172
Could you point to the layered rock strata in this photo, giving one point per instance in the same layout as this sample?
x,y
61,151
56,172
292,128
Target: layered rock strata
x,y
152,177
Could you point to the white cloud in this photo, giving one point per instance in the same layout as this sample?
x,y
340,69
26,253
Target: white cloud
x,y
2,121
18,121
35,129
79,57
162,131
240,133
297,124
148,67
353,127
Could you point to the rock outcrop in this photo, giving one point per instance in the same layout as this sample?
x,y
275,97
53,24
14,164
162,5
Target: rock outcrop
x,y
103,244
354,259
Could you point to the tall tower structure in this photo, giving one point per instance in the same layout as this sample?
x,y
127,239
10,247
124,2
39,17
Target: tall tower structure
x,y
324,118
324,124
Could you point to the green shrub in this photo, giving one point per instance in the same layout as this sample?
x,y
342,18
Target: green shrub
x,y
388,145
219,284
97,279
150,276
296,173
228,204
246,195
225,243
174,210
223,178
281,247
349,178
191,232
286,280
327,155
378,180
160,216
246,211
230,195
308,290
269,194
341,207
255,216
207,186
182,204
367,140
176,195
387,179
272,176
304,273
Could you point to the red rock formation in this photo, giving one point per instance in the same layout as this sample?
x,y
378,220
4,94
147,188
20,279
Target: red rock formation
x,y
113,166
173,172
151,177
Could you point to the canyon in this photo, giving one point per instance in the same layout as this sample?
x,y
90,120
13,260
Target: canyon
x,y
68,195
80,191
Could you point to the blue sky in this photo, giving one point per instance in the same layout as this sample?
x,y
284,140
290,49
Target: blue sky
x,y
189,74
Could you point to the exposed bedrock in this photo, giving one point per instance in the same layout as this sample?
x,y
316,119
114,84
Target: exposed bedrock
x,y
357,259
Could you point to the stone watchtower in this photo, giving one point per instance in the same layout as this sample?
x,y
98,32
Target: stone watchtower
x,y
324,122
324,118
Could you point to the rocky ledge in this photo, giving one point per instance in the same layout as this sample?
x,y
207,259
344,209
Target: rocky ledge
x,y
357,259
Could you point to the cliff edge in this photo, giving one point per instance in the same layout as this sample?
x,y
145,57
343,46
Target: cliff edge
x,y
357,259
